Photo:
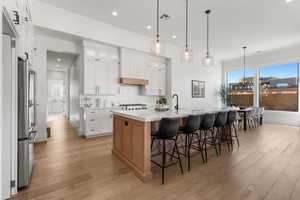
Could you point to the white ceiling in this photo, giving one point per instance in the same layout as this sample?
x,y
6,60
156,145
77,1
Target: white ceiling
x,y
66,60
259,24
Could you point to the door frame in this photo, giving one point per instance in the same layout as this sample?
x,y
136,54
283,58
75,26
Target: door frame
x,y
10,30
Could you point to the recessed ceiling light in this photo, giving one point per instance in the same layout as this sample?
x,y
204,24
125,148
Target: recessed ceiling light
x,y
288,1
174,36
114,13
58,59
149,27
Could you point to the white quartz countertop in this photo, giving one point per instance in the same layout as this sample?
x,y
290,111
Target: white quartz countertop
x,y
101,108
152,115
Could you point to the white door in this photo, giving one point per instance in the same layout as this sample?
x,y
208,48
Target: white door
x,y
56,97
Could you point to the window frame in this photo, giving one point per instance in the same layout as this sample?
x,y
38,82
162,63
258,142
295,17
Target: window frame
x,y
256,80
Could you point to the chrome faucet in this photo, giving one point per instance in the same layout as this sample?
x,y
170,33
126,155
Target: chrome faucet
x,y
176,95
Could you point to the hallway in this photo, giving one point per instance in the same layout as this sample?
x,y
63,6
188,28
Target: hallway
x,y
266,166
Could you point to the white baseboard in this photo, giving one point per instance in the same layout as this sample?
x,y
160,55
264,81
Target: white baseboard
x,y
98,135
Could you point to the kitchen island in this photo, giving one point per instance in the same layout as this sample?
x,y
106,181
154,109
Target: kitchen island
x,y
132,136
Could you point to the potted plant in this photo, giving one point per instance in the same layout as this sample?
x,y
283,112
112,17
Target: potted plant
x,y
161,104
224,94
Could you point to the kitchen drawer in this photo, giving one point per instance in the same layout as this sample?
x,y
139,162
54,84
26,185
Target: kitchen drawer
x,y
92,131
93,124
93,112
92,120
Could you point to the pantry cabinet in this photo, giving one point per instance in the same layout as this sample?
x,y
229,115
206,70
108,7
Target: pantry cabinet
x,y
101,69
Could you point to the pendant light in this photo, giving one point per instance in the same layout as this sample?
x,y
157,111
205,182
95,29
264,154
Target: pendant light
x,y
187,54
208,60
157,47
245,84
244,61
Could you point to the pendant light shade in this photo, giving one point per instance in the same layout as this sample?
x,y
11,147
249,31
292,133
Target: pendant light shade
x,y
187,54
156,45
246,84
208,60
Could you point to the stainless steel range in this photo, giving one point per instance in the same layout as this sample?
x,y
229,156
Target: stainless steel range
x,y
133,107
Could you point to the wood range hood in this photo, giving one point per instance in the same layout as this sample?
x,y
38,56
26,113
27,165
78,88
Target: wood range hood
x,y
134,81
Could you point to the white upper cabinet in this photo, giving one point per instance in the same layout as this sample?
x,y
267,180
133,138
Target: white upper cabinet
x,y
133,64
156,74
101,69
140,65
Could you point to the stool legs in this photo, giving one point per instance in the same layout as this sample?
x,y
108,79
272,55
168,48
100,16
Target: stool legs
x,y
200,146
178,156
164,152
163,162
236,136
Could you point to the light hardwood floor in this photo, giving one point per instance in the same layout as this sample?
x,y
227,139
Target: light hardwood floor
x,y
266,166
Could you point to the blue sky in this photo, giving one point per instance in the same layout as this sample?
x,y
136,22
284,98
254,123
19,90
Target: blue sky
x,y
280,71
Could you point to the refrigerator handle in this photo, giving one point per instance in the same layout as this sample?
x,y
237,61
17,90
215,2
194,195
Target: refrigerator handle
x,y
32,136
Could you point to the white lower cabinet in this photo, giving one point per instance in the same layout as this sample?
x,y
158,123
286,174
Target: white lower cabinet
x,y
97,123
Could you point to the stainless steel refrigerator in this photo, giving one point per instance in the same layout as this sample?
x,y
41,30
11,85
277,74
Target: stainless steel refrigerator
x,y
26,122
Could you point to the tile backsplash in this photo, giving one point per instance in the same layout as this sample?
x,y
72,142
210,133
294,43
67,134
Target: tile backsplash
x,y
127,95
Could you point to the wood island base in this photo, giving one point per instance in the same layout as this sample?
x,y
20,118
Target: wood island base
x,y
131,144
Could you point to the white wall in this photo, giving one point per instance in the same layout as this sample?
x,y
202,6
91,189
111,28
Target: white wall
x,y
272,57
181,73
57,75
1,97
74,74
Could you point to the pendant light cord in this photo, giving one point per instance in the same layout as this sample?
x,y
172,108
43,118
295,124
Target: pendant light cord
x,y
157,19
244,65
186,23
207,12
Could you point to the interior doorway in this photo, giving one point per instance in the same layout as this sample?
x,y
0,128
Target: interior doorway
x,y
58,74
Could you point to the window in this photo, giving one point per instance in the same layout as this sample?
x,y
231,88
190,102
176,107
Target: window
x,y
279,87
241,96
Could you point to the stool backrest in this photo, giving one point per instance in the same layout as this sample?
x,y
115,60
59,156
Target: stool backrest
x,y
208,121
232,117
193,123
221,119
168,128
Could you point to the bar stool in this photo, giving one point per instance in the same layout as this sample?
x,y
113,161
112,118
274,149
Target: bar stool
x,y
220,125
207,125
168,129
189,131
231,123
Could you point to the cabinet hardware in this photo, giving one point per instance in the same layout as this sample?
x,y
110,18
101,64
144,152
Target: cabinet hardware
x,y
92,120
93,112
17,17
12,183
92,129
